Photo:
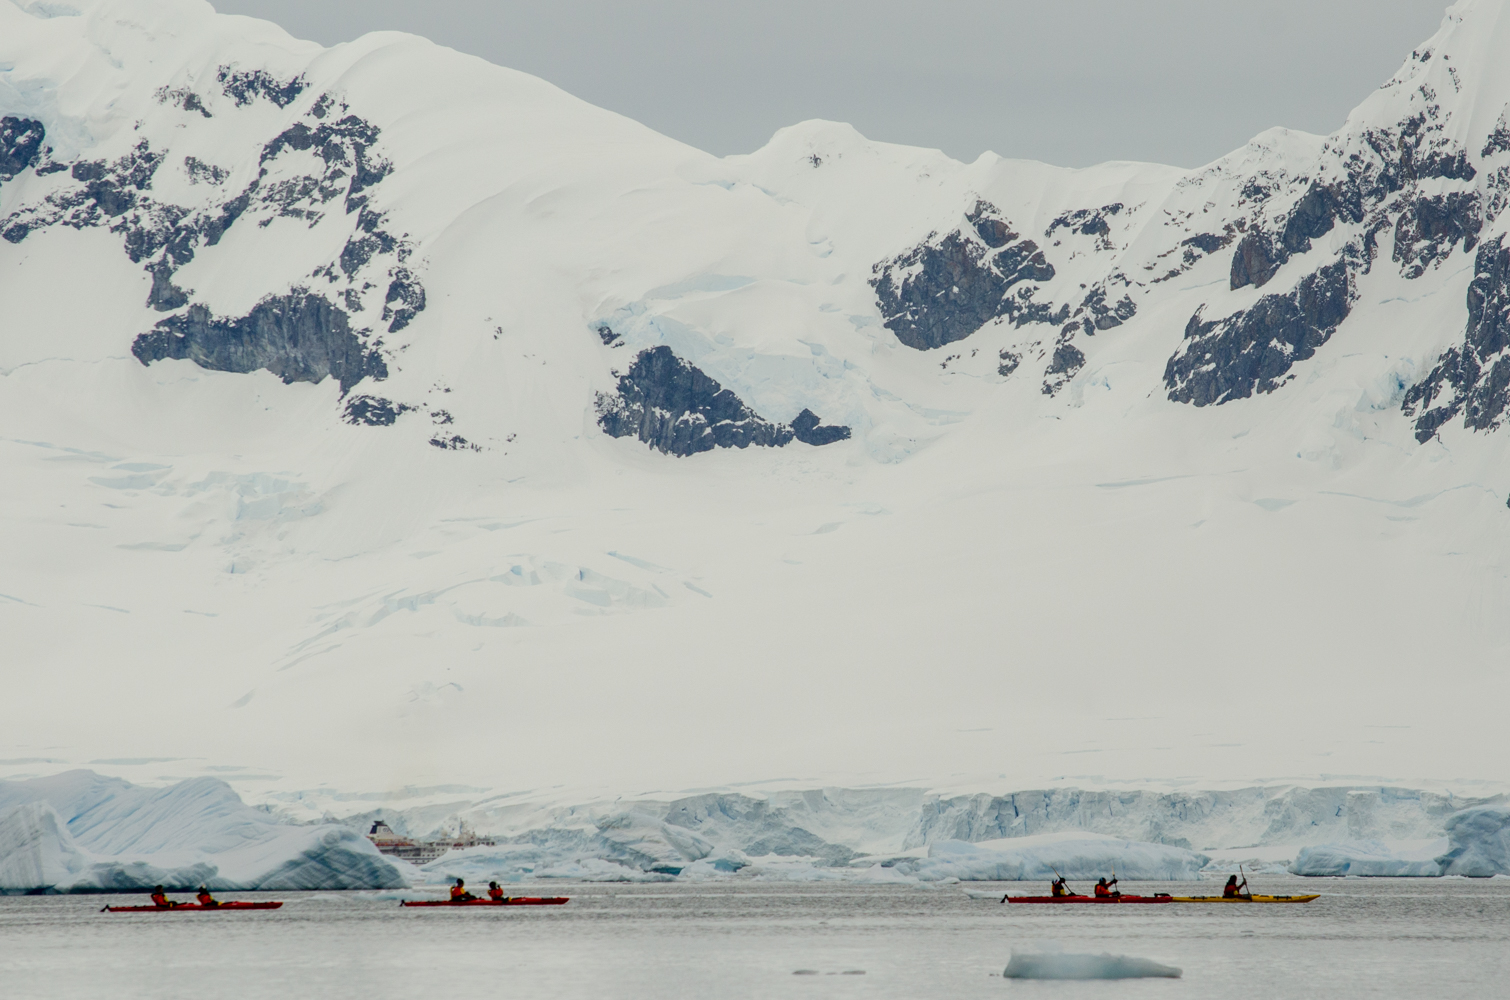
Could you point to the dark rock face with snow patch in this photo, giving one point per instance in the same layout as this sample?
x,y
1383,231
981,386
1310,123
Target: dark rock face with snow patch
x,y
20,145
675,408
300,337
373,411
1251,351
1260,254
1472,379
808,428
1429,228
943,290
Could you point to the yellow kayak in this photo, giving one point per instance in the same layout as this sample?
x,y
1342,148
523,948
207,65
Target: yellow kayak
x,y
1255,898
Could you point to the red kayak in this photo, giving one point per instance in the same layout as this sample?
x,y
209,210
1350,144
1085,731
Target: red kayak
x,y
506,901
1162,897
194,907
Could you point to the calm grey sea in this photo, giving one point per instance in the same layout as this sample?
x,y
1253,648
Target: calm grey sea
x,y
1375,938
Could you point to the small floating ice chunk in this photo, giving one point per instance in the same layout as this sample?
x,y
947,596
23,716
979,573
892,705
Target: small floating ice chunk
x,y
1103,966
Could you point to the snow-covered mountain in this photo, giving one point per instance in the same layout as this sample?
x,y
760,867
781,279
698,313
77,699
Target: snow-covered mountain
x,y
382,419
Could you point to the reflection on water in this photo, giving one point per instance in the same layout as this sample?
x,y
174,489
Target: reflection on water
x,y
1375,938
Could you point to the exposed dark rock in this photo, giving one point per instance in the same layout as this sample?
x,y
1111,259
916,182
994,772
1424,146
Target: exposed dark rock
x,y
1472,379
374,411
201,172
1317,211
1260,254
945,289
300,337
360,249
674,407
404,301
246,86
992,230
1009,362
1087,222
606,334
1250,351
1066,362
454,442
184,98
165,296
1095,314
20,145
809,429
1430,227
1208,242
1257,188
112,188
1255,261
1498,141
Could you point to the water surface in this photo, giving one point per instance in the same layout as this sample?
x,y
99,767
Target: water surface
x,y
1376,938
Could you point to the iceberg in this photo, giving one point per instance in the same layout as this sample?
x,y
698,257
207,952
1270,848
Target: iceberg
x,y
120,837
1371,858
1075,855
1478,843
1103,966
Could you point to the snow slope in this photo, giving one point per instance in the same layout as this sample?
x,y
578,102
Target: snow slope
x,y
378,421
78,832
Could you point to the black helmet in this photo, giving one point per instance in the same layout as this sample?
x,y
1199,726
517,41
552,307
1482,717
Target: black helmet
x,y
1103,880
157,888
460,882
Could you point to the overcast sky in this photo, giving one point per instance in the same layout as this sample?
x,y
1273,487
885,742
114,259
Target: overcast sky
x,y
1073,82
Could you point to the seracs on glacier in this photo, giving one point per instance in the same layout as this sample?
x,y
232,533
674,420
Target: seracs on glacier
x,y
382,418
81,832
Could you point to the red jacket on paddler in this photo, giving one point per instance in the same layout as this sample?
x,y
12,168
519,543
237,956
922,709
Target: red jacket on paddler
x,y
495,891
1104,888
459,891
159,898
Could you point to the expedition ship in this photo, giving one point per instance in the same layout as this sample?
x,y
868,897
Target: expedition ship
x,y
422,852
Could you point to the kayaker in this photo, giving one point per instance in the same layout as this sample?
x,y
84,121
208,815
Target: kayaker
x,y
1059,887
1104,888
495,892
205,899
1232,890
459,893
160,898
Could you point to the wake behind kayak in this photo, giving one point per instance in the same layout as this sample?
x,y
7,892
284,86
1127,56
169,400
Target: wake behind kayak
x,y
1159,898
193,908
506,901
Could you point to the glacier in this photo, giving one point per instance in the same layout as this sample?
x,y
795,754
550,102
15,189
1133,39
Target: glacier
x,y
378,420
1476,845
898,835
1371,858
82,832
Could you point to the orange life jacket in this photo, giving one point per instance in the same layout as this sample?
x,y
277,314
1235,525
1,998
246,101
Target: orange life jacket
x,y
495,893
458,892
1103,890
205,899
158,899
